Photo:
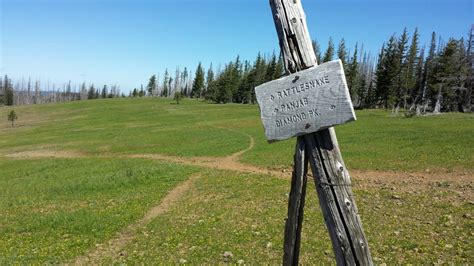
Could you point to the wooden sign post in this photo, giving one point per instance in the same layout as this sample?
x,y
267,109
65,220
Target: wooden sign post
x,y
307,104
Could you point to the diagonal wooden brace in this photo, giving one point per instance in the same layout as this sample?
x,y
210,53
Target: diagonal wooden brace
x,y
296,202
331,177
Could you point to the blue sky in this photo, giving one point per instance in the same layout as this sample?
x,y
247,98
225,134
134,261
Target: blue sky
x,y
126,41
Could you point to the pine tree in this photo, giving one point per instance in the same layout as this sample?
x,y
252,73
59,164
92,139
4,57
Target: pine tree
x,y
386,72
68,92
84,91
257,76
170,81
229,82
178,95
418,93
317,51
260,68
8,89
164,92
12,117
198,83
271,68
409,70
224,91
429,90
112,91
91,92
329,54
184,79
370,99
352,74
451,73
151,87
342,53
399,65
244,95
235,78
467,98
177,80
279,68
362,81
380,78
103,94
210,86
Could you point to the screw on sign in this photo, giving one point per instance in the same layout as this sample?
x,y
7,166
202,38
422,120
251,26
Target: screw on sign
x,y
307,104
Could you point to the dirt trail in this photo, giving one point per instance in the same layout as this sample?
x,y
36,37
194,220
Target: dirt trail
x,y
403,181
46,154
226,163
232,163
114,247
239,153
364,178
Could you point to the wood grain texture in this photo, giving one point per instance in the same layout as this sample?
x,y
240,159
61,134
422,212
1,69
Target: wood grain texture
x,y
295,42
296,202
331,177
305,102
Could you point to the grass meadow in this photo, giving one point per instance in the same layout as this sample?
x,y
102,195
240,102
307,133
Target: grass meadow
x,y
73,176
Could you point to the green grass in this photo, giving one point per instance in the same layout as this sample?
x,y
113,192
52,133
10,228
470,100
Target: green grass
x,y
133,126
244,214
125,126
53,210
377,141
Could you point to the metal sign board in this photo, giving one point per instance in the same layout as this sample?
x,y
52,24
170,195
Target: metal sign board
x,y
305,102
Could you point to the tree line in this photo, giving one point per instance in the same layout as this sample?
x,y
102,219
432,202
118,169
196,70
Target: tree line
x,y
404,75
406,78
234,83
25,92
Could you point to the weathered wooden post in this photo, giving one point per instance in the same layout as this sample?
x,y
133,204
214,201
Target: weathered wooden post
x,y
306,104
